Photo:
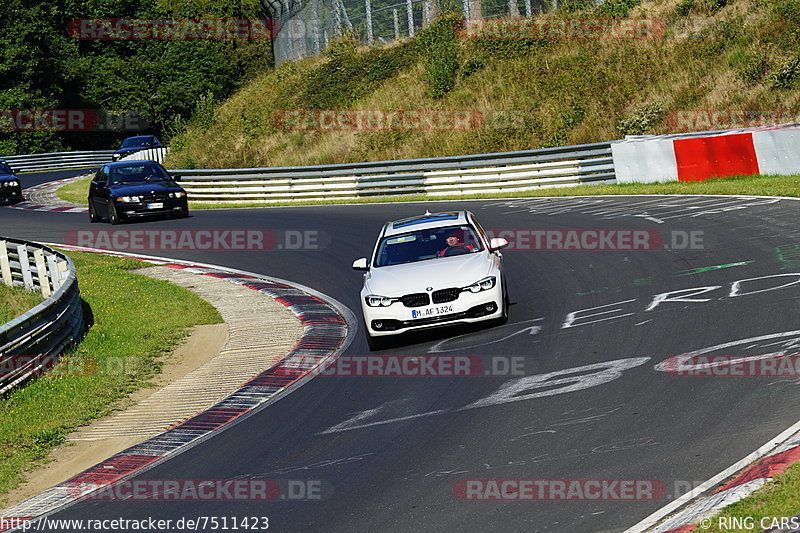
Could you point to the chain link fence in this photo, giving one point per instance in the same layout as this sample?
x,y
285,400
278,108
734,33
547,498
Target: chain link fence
x,y
305,27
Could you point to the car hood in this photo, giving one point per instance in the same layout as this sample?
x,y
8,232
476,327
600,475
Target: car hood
x,y
134,189
440,273
7,177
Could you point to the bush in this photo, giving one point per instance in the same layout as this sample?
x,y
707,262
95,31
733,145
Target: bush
x,y
684,8
617,8
755,66
641,119
787,74
440,48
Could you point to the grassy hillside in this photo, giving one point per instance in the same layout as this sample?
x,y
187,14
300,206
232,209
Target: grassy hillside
x,y
714,54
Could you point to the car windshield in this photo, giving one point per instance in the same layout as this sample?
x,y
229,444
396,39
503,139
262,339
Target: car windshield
x,y
4,168
427,244
136,141
138,173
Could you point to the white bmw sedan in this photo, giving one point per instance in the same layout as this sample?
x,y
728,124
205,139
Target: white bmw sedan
x,y
432,270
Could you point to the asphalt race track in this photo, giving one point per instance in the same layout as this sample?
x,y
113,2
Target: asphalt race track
x,y
388,452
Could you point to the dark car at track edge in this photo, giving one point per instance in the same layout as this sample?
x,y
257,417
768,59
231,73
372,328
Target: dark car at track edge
x,y
10,187
130,189
131,145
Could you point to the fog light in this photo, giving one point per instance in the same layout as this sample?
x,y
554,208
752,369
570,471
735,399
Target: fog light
x,y
491,308
377,324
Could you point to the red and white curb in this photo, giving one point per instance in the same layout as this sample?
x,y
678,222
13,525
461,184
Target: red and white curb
x,y
43,198
326,335
686,514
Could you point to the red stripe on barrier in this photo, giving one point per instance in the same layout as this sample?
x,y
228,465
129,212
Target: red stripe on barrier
x,y
769,467
714,157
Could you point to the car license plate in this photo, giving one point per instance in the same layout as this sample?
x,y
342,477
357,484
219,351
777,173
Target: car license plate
x,y
157,205
426,312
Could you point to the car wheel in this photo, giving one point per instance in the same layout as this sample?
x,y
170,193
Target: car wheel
x,y
113,216
503,318
92,215
184,212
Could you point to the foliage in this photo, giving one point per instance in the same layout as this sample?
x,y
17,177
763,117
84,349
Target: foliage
x,y
617,8
642,119
42,67
440,50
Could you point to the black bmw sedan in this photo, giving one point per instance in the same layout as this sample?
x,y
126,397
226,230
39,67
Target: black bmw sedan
x,y
128,189
10,189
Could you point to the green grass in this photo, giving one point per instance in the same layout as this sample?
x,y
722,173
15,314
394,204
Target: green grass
x,y
76,191
779,498
15,301
136,321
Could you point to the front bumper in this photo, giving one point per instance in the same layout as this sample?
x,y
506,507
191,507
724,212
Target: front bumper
x,y
140,209
10,194
467,308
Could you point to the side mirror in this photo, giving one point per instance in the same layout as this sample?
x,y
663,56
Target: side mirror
x,y
176,178
497,243
360,264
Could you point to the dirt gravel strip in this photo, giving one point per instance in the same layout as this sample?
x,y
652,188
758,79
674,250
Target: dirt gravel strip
x,y
696,509
326,334
43,198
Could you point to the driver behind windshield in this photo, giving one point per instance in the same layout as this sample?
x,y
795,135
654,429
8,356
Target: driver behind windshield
x,y
137,174
455,244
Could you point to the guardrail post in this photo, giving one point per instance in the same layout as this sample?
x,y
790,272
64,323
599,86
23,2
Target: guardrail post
x,y
41,272
25,265
55,273
5,267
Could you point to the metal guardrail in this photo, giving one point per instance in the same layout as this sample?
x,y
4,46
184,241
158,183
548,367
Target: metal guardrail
x,y
33,341
437,176
58,160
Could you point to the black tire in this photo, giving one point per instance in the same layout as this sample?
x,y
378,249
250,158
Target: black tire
x,y
93,218
113,216
503,319
183,213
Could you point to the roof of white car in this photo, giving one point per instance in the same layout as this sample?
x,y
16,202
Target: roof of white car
x,y
426,221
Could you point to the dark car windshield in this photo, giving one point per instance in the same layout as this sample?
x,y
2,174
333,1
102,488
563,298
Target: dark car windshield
x,y
138,173
134,142
427,244
4,168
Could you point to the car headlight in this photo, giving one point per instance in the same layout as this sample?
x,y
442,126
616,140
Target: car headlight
x,y
129,199
378,301
483,285
177,194
10,183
